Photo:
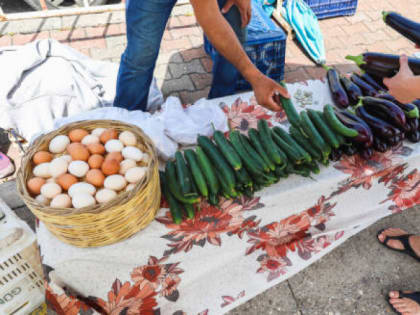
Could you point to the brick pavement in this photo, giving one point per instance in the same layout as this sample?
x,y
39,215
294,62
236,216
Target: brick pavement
x,y
184,70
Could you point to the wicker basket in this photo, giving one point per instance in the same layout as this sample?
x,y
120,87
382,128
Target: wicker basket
x,y
101,224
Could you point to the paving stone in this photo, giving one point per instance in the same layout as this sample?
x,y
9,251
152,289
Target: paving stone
x,y
95,43
175,85
207,63
110,52
112,41
196,41
162,72
175,44
9,194
179,69
116,17
193,53
182,10
165,58
30,26
296,76
201,80
191,97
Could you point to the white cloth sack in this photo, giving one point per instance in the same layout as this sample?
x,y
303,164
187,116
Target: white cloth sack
x,y
45,80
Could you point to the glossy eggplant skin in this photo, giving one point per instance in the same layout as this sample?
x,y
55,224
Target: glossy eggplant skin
x,y
413,123
349,150
353,90
380,145
366,88
394,113
366,153
404,26
338,93
386,65
407,108
378,126
365,134
373,82
335,155
414,137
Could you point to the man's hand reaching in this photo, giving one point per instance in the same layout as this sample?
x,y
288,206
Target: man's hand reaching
x,y
265,90
244,7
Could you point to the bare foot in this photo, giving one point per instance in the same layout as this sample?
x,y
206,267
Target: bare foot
x,y
404,305
414,240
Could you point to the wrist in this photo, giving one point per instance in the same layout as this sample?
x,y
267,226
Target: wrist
x,y
253,75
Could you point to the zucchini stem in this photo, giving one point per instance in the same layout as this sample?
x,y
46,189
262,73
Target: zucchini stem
x,y
357,59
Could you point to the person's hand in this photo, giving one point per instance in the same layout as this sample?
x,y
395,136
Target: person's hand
x,y
266,90
399,85
244,7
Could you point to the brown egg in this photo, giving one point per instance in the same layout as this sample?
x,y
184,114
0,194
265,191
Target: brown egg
x,y
42,157
95,177
95,161
114,156
34,185
66,180
96,148
78,151
76,135
110,167
108,135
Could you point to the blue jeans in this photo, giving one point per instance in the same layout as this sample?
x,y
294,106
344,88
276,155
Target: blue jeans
x,y
146,21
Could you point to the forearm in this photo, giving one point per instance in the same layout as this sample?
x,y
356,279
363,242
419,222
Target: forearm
x,y
223,38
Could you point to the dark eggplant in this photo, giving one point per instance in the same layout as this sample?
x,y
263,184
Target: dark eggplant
x,y
416,103
349,150
395,114
375,83
367,89
402,25
365,135
414,137
393,141
335,155
366,154
338,92
410,110
379,145
413,123
378,126
353,90
383,65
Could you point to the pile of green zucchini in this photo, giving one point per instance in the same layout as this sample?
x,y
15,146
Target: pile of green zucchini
x,y
234,165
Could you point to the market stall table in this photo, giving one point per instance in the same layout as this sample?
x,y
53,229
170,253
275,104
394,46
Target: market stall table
x,y
226,255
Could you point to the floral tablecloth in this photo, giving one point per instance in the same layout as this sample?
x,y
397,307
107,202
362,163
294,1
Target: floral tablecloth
x,y
229,254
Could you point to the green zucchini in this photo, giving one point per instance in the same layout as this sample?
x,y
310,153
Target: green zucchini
x,y
213,199
248,147
291,153
228,151
196,172
289,140
243,177
174,206
314,167
170,177
313,134
268,143
181,171
323,129
218,160
228,192
255,139
250,164
336,124
290,110
208,171
189,210
304,142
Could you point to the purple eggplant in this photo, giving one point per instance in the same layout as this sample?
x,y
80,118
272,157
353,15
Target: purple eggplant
x,y
410,110
338,92
366,88
335,155
413,123
377,125
379,145
402,25
414,137
349,150
383,65
395,114
393,141
353,90
375,83
365,135
366,153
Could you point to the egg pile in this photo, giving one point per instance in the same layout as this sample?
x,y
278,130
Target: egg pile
x,y
82,169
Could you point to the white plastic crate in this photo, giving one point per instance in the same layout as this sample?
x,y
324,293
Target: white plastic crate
x,y
21,285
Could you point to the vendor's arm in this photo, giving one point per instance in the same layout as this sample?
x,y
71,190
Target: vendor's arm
x,y
404,86
224,39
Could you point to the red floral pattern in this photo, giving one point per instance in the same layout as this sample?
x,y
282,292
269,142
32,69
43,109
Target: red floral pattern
x,y
210,223
63,304
227,299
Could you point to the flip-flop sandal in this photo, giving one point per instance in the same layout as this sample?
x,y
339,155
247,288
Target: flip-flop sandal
x,y
404,241
415,296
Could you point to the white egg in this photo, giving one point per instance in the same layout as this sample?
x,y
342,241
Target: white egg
x,y
42,170
98,131
115,182
58,167
50,190
67,158
90,139
105,195
59,143
61,201
81,200
78,168
132,153
113,145
128,138
135,174
125,165
146,158
130,187
81,188
42,200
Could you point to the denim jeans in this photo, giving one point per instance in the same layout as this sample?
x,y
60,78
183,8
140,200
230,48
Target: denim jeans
x,y
146,21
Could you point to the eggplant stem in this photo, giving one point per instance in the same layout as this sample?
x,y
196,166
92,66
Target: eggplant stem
x,y
385,14
357,59
326,68
360,103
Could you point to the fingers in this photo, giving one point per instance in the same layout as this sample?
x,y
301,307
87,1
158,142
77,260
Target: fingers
x,y
387,82
272,105
281,90
249,14
227,6
244,17
404,67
